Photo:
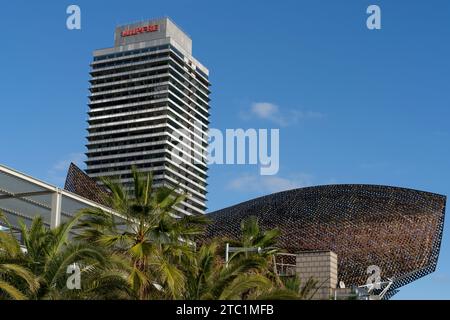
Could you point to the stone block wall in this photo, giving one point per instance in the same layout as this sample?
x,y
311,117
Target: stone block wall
x,y
321,266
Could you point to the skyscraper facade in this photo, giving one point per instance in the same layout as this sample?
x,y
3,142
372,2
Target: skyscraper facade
x,y
149,107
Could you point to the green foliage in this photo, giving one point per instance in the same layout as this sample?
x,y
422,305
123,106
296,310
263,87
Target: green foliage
x,y
38,268
139,250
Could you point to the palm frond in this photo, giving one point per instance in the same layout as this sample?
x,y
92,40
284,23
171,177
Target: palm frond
x,y
11,291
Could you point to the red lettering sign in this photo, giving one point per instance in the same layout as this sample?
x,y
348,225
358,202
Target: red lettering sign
x,y
139,30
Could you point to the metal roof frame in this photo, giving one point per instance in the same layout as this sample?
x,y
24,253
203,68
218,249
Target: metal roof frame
x,y
23,196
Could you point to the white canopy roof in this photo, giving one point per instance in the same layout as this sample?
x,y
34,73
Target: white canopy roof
x,y
24,197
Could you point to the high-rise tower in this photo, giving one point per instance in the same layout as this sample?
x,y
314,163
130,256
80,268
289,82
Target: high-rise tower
x,y
149,107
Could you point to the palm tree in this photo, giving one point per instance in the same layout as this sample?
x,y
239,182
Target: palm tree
x,y
43,259
280,287
263,244
106,282
210,279
142,251
253,237
16,281
49,254
147,233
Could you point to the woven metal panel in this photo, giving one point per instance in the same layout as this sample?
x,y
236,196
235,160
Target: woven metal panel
x,y
397,229
81,184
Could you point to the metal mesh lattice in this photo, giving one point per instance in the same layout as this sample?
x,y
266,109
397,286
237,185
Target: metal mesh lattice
x,y
397,229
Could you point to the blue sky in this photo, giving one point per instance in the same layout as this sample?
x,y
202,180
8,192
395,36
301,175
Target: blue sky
x,y
352,105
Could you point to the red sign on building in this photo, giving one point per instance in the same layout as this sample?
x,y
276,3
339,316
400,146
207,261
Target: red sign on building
x,y
139,30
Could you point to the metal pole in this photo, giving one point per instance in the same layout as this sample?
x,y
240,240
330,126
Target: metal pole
x,y
227,248
55,219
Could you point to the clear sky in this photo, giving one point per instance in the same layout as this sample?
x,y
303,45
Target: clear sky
x,y
352,105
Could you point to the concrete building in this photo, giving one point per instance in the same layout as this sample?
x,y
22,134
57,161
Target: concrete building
x,y
149,107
